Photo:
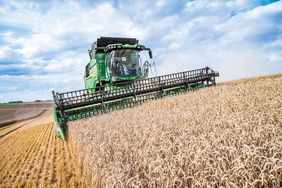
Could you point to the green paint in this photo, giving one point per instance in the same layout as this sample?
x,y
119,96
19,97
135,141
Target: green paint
x,y
91,110
58,123
119,62
61,134
113,64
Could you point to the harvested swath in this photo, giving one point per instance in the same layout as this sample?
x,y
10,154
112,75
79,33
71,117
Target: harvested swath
x,y
36,157
229,135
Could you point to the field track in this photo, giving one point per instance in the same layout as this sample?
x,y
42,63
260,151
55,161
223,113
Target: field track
x,y
43,117
10,114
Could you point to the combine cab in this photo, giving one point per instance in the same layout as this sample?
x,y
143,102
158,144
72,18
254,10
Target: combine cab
x,y
117,77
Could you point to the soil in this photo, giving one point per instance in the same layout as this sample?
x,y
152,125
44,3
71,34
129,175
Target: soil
x,y
22,116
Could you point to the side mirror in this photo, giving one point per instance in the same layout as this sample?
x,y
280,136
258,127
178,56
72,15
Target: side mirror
x,y
89,52
150,54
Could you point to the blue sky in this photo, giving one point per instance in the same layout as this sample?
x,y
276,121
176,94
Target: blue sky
x,y
43,44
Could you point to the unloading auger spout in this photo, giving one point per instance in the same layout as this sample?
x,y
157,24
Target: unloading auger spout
x,y
116,78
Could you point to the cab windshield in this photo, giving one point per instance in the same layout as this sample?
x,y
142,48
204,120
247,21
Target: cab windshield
x,y
123,62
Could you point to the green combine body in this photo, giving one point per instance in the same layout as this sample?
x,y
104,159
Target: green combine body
x,y
114,60
117,77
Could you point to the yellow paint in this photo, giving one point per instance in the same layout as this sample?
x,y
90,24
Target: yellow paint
x,y
93,74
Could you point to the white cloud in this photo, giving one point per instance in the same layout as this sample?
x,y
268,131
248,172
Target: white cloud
x,y
230,45
37,44
57,34
5,52
240,64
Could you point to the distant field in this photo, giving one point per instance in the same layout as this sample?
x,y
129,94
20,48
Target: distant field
x,y
224,136
12,113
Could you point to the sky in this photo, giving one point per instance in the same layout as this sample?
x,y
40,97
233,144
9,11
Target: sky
x,y
44,44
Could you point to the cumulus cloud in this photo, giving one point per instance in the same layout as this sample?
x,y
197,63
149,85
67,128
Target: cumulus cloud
x,y
43,45
237,45
5,52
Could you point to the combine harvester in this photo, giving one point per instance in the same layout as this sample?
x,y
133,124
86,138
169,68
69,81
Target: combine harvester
x,y
117,77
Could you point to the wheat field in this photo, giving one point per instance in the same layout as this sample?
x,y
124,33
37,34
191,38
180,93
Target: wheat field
x,y
36,157
229,136
224,136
